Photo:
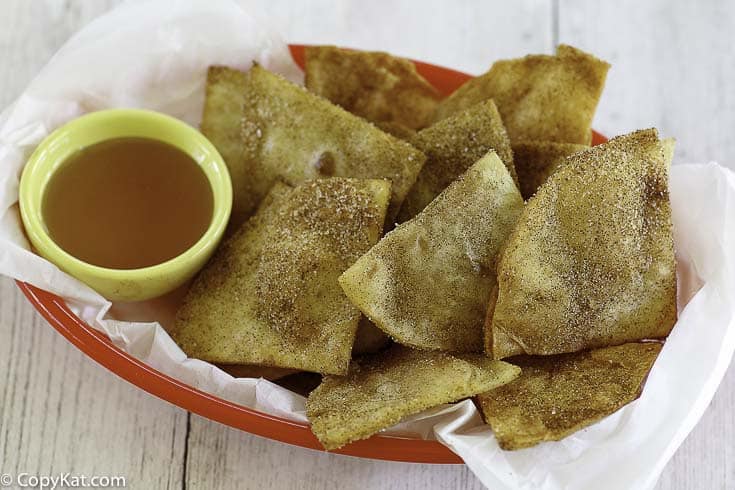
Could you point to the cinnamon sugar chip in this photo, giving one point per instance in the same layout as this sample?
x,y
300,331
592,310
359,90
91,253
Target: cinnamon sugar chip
x,y
535,161
292,135
377,86
225,95
380,390
541,97
270,295
591,260
451,147
556,396
427,283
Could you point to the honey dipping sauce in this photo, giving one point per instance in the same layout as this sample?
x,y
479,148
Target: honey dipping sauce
x,y
128,203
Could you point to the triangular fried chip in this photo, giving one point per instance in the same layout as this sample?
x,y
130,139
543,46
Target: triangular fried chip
x,y
451,147
536,160
541,97
270,294
591,260
221,123
382,389
377,86
427,282
669,145
293,135
556,396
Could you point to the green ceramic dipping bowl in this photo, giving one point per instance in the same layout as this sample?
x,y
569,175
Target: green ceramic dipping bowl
x,y
55,150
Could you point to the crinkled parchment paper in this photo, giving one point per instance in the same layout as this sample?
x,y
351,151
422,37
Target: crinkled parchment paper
x,y
154,55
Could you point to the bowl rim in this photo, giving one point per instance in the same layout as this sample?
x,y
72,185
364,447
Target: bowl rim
x,y
31,190
98,346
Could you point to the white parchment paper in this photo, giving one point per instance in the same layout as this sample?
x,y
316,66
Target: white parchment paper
x,y
155,54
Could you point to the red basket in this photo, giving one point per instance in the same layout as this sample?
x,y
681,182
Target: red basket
x,y
97,346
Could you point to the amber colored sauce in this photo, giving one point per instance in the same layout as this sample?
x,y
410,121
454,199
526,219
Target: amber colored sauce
x,y
128,203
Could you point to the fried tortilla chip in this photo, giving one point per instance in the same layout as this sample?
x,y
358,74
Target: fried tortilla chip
x,y
669,145
591,261
374,85
369,339
221,123
540,97
382,389
451,147
270,294
556,396
536,160
293,135
427,283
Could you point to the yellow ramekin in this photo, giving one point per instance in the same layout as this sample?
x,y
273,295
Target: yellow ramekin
x,y
131,284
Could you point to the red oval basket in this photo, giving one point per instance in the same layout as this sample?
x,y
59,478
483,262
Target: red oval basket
x,y
96,345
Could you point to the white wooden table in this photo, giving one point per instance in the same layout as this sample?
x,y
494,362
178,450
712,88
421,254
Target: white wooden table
x,y
673,68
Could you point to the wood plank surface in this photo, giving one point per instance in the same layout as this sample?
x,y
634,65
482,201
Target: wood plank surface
x,y
467,35
59,411
220,458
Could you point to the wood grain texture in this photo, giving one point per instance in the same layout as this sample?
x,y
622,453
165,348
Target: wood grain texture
x,y
59,411
466,35
32,32
673,67
222,458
